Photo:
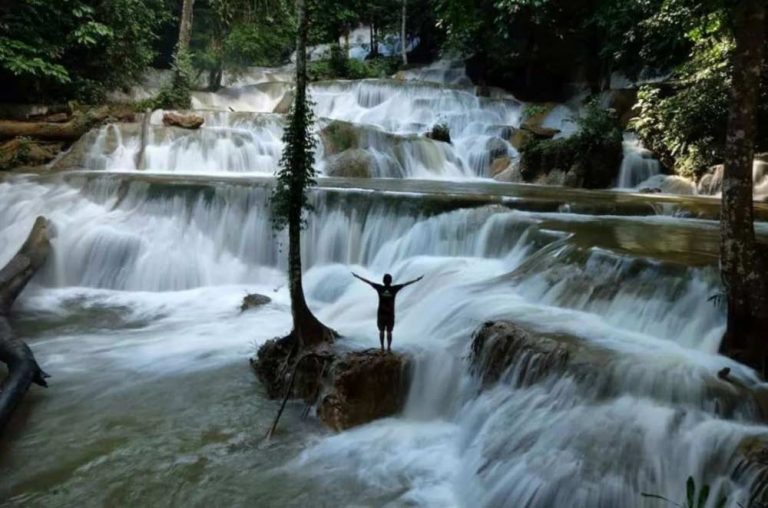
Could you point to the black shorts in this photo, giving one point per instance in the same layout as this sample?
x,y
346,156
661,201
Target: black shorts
x,y
385,322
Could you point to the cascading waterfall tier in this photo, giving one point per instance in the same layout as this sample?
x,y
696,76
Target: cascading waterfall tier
x,y
641,417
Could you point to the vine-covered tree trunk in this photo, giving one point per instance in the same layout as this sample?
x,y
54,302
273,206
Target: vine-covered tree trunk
x,y
403,35
741,263
306,327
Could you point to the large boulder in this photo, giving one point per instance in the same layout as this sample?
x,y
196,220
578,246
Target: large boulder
x,y
339,136
253,301
352,163
364,386
508,353
592,165
284,106
183,120
348,388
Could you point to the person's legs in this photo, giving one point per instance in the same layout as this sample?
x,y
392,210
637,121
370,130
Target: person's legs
x,y
381,338
389,339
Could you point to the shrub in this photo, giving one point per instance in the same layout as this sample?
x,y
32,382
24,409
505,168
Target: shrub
x,y
591,157
440,132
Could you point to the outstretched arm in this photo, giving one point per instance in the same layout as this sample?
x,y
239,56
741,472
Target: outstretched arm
x,y
370,283
414,281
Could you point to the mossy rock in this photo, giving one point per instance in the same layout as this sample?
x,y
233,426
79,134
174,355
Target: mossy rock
x,y
253,301
592,164
352,163
25,152
339,136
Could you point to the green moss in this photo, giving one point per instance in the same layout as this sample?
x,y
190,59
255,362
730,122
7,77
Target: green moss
x,y
339,136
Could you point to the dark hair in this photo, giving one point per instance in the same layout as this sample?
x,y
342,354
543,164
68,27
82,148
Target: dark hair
x,y
387,279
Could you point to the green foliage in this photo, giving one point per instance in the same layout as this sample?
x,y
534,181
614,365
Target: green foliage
x,y
440,132
236,34
340,67
339,136
177,93
693,499
533,109
685,123
297,172
593,154
76,48
22,154
598,125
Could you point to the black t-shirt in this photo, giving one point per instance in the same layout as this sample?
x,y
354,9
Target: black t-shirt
x,y
387,298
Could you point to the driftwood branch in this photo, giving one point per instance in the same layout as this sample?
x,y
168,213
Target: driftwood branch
x,y
289,388
23,369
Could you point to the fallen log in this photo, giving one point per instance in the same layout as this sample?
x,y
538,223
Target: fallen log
x,y
23,369
51,131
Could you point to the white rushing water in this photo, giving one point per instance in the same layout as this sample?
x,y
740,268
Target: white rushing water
x,y
136,315
145,282
638,164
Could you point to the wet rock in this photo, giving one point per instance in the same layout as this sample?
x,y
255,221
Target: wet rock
x,y
541,132
498,346
339,136
623,102
591,165
520,138
349,388
649,190
511,174
253,301
25,152
496,148
183,120
508,353
752,467
499,165
670,184
364,386
352,163
284,106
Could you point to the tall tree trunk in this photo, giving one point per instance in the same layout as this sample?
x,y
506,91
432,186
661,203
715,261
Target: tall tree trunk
x,y
306,327
185,26
403,37
741,263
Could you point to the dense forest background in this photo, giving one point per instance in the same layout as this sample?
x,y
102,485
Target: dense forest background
x,y
678,51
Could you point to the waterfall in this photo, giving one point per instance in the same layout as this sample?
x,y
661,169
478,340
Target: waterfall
x,y
638,164
137,314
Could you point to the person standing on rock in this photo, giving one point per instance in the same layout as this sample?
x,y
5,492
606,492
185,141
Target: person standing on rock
x,y
385,318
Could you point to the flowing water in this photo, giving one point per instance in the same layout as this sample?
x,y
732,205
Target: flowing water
x,y
152,402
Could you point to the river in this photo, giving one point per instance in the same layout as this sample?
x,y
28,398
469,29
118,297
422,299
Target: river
x,y
152,401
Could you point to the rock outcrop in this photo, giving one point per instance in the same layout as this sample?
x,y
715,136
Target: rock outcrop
x,y
339,136
364,386
591,165
25,152
348,388
505,352
352,163
183,120
254,300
